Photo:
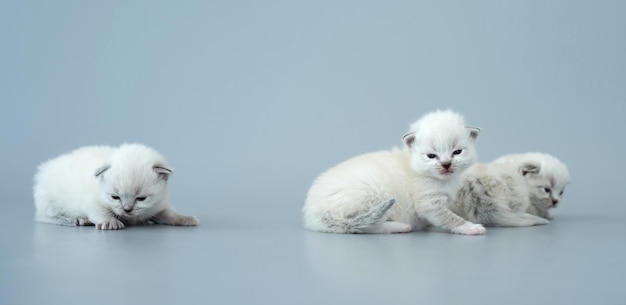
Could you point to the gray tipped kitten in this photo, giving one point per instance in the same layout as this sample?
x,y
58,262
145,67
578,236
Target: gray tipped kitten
x,y
513,191
548,185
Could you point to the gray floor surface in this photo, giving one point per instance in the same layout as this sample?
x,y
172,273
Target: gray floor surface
x,y
576,259
250,100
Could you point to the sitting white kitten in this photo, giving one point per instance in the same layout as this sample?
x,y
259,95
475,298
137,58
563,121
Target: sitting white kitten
x,y
398,191
497,194
549,183
106,187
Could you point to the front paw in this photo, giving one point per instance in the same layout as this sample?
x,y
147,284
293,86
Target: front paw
x,y
183,220
82,221
469,229
110,224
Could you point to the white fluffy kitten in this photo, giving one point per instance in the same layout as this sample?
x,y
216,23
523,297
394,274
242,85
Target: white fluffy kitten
x,y
399,190
547,185
496,194
106,187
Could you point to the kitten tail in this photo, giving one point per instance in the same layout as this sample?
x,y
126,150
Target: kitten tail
x,y
361,223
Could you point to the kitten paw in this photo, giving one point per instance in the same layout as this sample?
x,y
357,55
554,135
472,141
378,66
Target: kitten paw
x,y
186,221
469,229
110,224
82,221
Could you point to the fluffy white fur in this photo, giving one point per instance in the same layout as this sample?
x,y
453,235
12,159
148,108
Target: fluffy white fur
x,y
546,186
399,190
497,194
107,187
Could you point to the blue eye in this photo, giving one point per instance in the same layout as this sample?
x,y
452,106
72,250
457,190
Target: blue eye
x,y
457,152
431,156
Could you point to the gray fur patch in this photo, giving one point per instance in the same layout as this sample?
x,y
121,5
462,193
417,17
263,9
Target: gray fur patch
x,y
358,223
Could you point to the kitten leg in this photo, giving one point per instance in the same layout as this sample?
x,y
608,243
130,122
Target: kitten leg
x,y
59,220
469,229
171,217
83,221
492,215
549,215
388,227
540,211
435,211
519,220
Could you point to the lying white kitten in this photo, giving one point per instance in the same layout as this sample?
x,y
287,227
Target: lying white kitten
x,y
548,184
106,186
497,194
399,190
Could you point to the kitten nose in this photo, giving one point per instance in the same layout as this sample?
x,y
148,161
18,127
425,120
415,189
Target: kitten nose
x,y
127,208
446,165
555,201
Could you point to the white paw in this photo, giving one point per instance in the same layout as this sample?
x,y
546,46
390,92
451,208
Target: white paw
x,y
82,221
187,221
110,224
469,229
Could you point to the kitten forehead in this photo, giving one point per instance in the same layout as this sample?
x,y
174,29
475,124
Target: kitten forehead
x,y
552,180
438,120
442,129
132,168
442,144
550,166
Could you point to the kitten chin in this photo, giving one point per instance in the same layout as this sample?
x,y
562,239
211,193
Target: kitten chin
x,y
107,187
399,190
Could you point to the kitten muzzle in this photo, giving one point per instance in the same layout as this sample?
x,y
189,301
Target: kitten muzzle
x,y
128,207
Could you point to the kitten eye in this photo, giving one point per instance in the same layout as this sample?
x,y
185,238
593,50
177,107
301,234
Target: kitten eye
x,y
546,189
140,198
431,156
115,197
457,152
561,193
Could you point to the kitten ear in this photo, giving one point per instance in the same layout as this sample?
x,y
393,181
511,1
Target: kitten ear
x,y
163,172
409,139
474,132
101,170
529,168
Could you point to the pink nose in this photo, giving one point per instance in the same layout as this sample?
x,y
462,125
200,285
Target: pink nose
x,y
446,165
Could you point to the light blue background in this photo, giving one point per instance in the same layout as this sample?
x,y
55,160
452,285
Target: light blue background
x,y
250,100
